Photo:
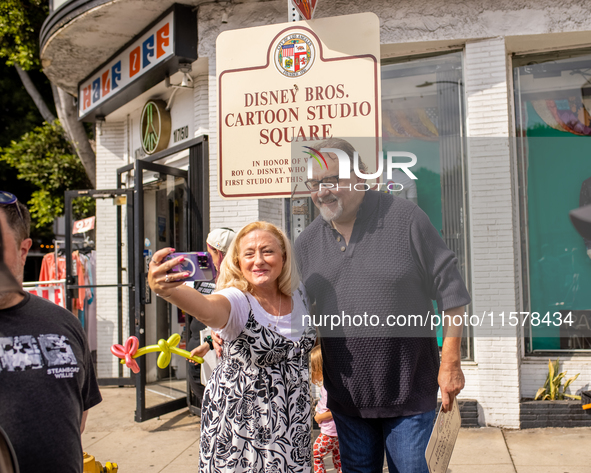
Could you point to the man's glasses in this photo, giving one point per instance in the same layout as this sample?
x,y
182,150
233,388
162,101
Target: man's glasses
x,y
6,198
314,184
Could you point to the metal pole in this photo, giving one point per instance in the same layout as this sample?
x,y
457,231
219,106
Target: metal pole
x,y
292,15
138,234
292,12
68,230
119,280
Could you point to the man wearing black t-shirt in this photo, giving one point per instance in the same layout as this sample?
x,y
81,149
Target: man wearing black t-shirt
x,y
373,253
47,381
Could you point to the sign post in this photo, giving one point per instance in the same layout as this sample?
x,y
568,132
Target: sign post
x,y
305,7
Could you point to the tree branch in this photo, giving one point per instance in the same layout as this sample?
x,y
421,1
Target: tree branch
x,y
35,95
75,132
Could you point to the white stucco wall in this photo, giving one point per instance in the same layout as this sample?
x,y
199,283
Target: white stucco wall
x,y
406,22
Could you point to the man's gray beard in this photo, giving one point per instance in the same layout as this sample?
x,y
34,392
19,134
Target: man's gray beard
x,y
329,215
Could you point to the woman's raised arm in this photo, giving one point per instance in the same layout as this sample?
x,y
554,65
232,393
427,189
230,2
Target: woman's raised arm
x,y
212,310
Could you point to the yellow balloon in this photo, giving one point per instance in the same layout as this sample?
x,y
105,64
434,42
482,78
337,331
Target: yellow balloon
x,y
165,356
173,340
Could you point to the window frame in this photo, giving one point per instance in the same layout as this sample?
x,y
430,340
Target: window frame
x,y
465,202
517,61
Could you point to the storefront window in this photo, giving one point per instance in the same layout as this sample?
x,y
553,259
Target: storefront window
x,y
553,125
423,113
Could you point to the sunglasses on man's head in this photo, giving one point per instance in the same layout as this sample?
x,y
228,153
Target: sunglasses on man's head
x,y
6,198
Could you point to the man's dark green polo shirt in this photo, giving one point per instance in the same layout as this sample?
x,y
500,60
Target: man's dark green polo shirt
x,y
395,264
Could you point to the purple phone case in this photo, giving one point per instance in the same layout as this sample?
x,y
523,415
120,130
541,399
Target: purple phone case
x,y
198,264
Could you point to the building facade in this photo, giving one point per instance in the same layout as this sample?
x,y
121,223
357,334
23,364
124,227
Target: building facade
x,y
493,97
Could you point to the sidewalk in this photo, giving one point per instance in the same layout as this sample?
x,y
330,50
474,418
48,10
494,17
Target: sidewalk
x,y
171,443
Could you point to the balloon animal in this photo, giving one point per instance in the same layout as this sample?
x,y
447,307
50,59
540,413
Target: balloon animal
x,y
130,351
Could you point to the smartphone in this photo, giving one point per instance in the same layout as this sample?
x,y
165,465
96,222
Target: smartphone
x,y
198,264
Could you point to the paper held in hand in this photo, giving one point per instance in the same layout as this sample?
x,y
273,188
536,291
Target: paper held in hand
x,y
443,438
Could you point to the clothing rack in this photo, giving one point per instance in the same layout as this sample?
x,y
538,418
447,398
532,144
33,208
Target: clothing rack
x,y
43,283
86,245
56,244
44,288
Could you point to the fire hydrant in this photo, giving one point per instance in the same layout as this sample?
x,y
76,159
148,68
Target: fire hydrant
x,y
93,466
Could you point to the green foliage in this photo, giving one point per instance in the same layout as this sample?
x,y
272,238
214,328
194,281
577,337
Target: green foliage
x,y
40,164
551,391
18,111
44,158
20,23
19,114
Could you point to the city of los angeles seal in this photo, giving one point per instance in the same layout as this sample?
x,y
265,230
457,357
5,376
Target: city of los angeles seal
x,y
294,55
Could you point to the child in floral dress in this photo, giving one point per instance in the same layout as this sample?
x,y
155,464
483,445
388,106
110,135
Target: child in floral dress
x,y
327,442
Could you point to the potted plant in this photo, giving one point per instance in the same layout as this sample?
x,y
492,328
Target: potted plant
x,y
551,391
552,406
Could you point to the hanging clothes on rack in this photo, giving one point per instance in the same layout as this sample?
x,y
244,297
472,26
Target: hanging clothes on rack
x,y
85,303
48,268
90,303
79,273
49,272
84,272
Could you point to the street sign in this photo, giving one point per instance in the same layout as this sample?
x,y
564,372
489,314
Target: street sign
x,y
299,83
305,7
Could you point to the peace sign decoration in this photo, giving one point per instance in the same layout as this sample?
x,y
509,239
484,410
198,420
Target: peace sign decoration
x,y
155,126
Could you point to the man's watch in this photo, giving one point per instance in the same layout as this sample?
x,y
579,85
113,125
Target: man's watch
x,y
209,341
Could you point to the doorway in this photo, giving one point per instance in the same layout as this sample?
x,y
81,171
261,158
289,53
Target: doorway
x,y
170,210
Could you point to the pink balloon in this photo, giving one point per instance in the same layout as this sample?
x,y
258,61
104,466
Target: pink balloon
x,y
126,353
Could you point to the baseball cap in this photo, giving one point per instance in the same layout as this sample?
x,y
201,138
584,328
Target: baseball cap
x,y
221,238
581,219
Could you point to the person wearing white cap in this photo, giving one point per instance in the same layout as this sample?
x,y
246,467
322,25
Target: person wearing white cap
x,y
218,241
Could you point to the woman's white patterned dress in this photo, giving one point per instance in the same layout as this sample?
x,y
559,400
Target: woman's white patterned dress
x,y
256,414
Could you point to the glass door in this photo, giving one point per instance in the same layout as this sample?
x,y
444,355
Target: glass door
x,y
161,221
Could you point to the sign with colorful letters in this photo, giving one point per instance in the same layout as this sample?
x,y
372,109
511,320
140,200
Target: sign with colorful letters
x,y
147,60
147,51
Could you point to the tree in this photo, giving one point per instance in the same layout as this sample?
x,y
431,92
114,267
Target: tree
x,y
20,24
40,155
43,157
18,114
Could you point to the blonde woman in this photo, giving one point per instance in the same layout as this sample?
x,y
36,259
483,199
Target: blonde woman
x,y
256,406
